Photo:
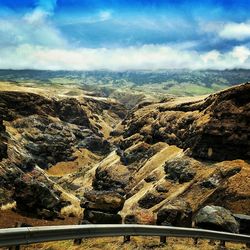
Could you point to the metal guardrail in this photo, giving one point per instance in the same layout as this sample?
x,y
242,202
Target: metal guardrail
x,y
28,235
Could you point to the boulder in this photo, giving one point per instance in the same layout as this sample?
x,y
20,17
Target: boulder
x,y
176,213
216,218
98,217
106,201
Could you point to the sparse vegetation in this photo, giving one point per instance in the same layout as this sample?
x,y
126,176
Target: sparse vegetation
x,y
136,243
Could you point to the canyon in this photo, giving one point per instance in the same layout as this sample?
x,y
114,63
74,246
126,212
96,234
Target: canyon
x,y
69,156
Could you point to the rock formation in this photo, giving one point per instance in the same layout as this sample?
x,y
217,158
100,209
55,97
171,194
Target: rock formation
x,y
215,128
40,132
101,207
3,141
176,213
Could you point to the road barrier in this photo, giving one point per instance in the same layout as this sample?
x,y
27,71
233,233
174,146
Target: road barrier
x,y
29,235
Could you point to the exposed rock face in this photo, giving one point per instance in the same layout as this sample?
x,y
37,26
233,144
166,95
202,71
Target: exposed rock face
x,y
177,213
216,218
36,198
3,141
19,104
150,199
98,217
138,153
46,130
70,110
95,144
8,174
214,128
140,170
40,132
102,207
179,170
106,201
47,141
111,178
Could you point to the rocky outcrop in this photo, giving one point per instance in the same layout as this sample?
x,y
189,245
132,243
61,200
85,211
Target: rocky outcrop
x,y
111,178
40,132
70,110
150,199
9,172
176,213
107,201
215,128
45,131
179,170
98,217
133,173
14,105
18,104
101,207
3,141
35,198
224,135
216,218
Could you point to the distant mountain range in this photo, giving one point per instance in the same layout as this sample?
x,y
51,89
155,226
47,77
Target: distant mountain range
x,y
202,77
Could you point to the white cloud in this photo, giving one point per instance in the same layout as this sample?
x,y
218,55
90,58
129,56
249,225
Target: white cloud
x,y
241,53
211,56
34,42
105,15
36,16
235,31
148,57
44,8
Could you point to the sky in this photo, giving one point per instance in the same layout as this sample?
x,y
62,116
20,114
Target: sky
x,y
124,34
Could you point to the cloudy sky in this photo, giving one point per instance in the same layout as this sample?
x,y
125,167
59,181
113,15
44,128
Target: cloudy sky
x,y
124,34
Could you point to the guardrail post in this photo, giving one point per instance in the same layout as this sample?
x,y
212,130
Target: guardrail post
x,y
163,239
195,241
222,243
212,242
18,247
126,238
79,241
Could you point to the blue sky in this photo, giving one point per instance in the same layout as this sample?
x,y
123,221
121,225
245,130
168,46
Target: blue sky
x,y
123,35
